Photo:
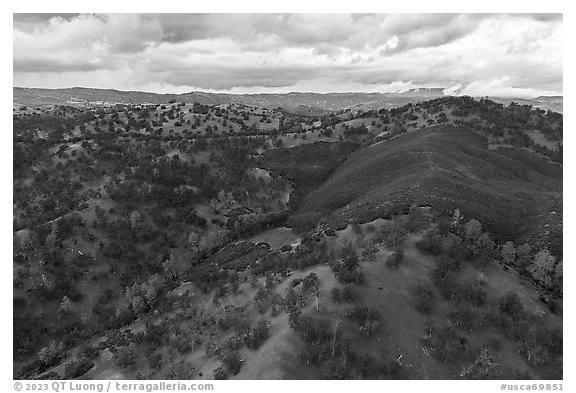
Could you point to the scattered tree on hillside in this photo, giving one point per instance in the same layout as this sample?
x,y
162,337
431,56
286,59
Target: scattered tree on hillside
x,y
367,319
510,304
449,344
336,294
424,298
508,253
193,241
431,243
290,299
524,256
259,334
540,344
52,353
52,238
261,300
457,218
472,230
311,284
346,268
394,260
125,357
484,367
348,294
232,362
542,268
484,245
171,266
66,304
220,373
76,368
135,219
368,250
142,296
559,275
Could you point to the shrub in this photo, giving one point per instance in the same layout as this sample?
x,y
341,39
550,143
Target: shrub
x,y
466,318
259,334
366,318
475,294
310,282
314,329
183,345
540,345
395,259
336,295
350,276
125,358
346,268
423,298
348,293
232,362
88,352
315,353
220,374
155,360
449,344
77,368
368,251
510,304
431,243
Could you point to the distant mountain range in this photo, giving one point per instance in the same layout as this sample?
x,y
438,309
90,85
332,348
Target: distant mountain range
x,y
302,103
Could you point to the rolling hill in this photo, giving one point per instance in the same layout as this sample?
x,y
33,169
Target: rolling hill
x,y
312,104
442,167
176,241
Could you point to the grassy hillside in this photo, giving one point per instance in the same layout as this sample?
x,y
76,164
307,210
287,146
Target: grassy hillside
x,y
441,166
176,241
307,166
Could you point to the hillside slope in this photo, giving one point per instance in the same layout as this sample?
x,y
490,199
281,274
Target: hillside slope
x,y
441,166
292,101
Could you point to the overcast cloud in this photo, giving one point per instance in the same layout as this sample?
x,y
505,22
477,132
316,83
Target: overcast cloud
x,y
479,54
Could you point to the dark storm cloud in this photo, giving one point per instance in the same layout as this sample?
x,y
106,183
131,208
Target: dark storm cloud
x,y
39,18
422,31
27,22
55,66
219,79
296,30
543,17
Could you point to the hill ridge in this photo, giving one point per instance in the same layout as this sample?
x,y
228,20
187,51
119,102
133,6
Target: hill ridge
x,y
422,168
317,103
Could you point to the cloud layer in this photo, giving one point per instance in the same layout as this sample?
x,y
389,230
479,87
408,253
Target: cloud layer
x,y
479,54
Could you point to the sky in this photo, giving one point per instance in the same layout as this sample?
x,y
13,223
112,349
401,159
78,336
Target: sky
x,y
509,55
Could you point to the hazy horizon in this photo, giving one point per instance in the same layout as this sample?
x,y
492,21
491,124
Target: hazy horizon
x,y
288,92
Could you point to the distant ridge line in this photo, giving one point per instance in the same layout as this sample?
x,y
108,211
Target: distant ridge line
x,y
304,103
